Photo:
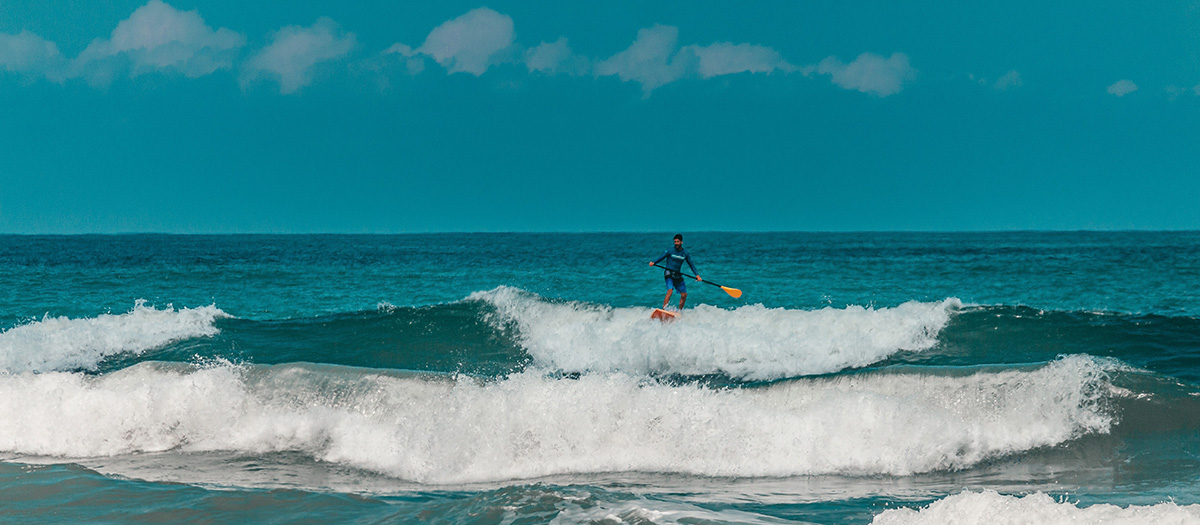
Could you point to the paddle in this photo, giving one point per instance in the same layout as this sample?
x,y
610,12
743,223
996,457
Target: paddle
x,y
733,292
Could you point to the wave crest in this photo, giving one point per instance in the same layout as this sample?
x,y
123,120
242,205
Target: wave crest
x,y
61,343
750,343
444,430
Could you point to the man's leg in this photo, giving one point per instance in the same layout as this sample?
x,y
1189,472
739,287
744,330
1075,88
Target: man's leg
x,y
682,299
667,299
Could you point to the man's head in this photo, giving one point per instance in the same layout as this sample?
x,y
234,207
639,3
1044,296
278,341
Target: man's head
x,y
678,240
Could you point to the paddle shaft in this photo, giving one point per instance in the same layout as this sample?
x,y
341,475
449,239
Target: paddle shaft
x,y
692,276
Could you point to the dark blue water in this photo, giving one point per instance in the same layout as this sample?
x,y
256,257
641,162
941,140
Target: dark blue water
x,y
517,378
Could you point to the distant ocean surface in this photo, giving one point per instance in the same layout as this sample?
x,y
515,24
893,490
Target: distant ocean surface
x,y
889,378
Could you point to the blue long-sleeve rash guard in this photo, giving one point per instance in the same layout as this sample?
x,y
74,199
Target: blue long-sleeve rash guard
x,y
675,259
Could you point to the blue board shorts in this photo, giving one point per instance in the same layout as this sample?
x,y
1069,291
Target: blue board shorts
x,y
681,286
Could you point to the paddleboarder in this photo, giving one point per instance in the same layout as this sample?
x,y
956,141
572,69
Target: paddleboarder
x,y
673,265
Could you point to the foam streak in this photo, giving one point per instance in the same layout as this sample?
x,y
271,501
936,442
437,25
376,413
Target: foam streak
x,y
992,508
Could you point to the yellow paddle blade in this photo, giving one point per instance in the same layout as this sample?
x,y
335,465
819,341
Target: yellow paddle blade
x,y
733,292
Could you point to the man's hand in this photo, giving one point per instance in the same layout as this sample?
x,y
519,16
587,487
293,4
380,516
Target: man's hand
x,y
651,263
698,278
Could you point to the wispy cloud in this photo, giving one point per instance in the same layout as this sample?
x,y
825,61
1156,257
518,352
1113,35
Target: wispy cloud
x,y
650,60
1122,87
655,59
158,37
556,58
412,60
727,58
870,73
1010,80
294,51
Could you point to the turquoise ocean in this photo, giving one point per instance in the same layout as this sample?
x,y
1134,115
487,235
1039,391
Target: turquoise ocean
x,y
517,378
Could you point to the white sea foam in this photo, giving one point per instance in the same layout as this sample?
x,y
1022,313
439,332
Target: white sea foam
x,y
751,342
441,431
60,343
641,511
991,508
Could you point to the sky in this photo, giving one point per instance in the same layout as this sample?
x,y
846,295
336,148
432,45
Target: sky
x,y
300,116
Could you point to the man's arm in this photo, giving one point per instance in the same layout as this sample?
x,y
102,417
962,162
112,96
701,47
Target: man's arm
x,y
660,258
692,266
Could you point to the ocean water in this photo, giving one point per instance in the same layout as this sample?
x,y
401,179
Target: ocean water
x,y
517,378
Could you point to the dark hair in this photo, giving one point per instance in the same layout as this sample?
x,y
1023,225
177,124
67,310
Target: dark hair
x,y
679,236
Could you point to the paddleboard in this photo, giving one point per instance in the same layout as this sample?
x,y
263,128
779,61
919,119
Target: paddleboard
x,y
663,315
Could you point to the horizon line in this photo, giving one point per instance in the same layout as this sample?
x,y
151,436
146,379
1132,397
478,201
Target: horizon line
x,y
589,232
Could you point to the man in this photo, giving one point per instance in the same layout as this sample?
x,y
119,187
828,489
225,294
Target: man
x,y
674,263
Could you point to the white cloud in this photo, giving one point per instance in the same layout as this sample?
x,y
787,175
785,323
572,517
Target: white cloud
x,y
649,60
655,59
468,43
870,73
1010,80
1122,87
159,37
295,50
31,55
726,58
482,37
555,58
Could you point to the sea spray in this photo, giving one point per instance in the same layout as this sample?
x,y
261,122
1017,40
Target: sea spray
x,y
751,342
991,508
438,429
61,343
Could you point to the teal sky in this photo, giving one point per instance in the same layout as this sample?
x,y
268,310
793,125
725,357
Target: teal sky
x,y
382,117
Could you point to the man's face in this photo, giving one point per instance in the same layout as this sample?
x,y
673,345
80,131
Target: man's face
x,y
678,243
